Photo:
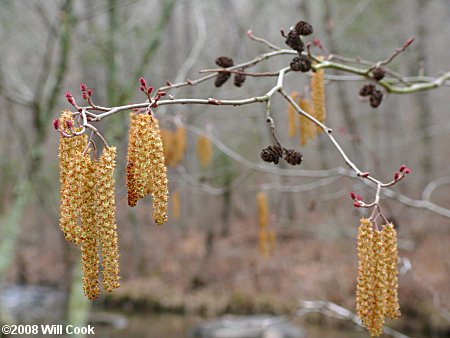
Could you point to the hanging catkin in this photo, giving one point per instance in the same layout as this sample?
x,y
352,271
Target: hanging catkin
x,y
318,96
204,150
364,290
168,140
292,116
179,146
307,127
389,236
105,208
70,153
176,206
89,229
263,209
131,161
157,179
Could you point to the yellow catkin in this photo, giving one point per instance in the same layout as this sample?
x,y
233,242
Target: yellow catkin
x,y
176,205
168,140
158,175
263,242
272,239
70,154
378,271
389,236
204,150
318,96
105,208
364,290
307,128
89,229
263,209
292,116
131,161
179,146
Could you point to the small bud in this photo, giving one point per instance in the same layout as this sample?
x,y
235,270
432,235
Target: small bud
x,y
142,89
68,95
56,123
89,92
396,176
352,195
402,168
161,93
69,124
71,101
83,87
85,97
356,204
316,42
407,171
359,197
143,83
149,90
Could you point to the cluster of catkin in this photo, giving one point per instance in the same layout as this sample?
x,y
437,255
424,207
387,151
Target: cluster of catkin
x,y
315,107
377,282
88,199
266,237
174,144
146,168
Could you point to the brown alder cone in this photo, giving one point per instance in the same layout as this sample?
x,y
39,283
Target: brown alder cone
x,y
292,116
307,128
179,146
263,209
89,229
131,161
70,153
318,96
105,208
204,150
389,236
176,205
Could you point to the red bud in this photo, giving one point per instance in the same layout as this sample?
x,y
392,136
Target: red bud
x,y
143,83
142,89
56,123
84,96
149,90
356,204
402,167
396,176
90,91
407,171
359,198
83,87
352,195
68,95
69,124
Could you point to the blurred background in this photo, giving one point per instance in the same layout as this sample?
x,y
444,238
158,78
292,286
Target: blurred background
x,y
207,261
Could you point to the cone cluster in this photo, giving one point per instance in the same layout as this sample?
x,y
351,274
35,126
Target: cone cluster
x,y
377,282
88,208
146,168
